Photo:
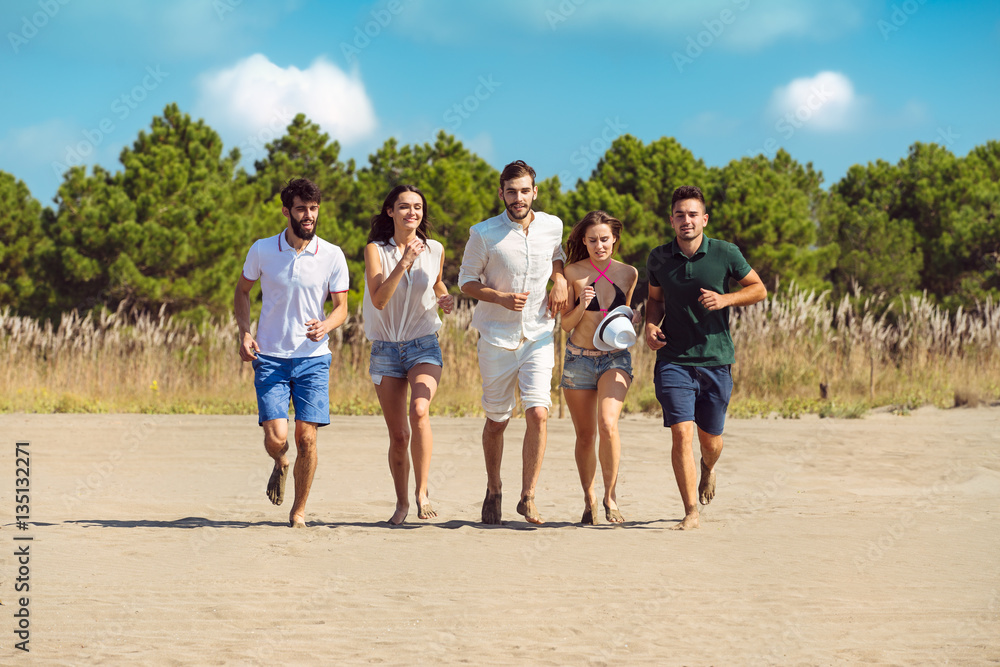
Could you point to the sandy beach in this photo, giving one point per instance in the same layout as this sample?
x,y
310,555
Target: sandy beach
x,y
870,541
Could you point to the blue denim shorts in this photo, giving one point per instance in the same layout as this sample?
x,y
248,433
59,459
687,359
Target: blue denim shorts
x,y
693,393
583,368
306,380
395,360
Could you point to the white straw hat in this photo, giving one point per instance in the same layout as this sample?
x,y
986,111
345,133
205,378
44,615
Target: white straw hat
x,y
615,332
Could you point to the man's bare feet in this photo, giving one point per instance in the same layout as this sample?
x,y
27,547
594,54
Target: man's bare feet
x,y
706,488
613,514
276,484
527,509
491,508
399,516
690,522
297,520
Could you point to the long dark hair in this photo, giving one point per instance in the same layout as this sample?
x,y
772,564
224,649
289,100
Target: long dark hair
x,y
383,228
576,249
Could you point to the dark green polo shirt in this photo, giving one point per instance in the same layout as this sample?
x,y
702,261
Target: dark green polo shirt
x,y
695,336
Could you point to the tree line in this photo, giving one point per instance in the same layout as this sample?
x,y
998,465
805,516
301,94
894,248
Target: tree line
x,y
171,228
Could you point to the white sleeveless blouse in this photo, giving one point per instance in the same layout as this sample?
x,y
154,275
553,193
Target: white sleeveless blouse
x,y
412,311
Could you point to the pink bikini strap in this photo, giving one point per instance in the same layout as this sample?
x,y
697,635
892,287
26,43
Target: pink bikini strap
x,y
601,274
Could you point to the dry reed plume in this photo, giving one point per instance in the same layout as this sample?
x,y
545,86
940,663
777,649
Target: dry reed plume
x,y
864,352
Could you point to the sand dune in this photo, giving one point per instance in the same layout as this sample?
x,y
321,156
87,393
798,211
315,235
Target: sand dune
x,y
864,541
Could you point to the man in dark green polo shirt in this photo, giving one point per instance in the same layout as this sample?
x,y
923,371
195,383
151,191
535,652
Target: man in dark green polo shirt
x,y
689,297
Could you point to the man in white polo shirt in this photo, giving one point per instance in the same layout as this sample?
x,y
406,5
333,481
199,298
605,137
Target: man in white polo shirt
x,y
290,356
507,265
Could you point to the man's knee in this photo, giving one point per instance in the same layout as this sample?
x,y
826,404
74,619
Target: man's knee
x,y
537,415
305,435
709,440
495,427
275,433
682,433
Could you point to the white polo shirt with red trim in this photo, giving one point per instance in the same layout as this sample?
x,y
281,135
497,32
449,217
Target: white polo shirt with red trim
x,y
294,287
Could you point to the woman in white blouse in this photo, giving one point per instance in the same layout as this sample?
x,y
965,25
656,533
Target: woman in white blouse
x,y
403,291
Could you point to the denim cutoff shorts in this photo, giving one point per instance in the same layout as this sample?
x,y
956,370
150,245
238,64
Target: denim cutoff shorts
x,y
389,359
582,371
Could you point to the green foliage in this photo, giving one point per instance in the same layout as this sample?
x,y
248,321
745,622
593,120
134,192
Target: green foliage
x,y
768,209
650,174
161,233
928,223
22,285
171,229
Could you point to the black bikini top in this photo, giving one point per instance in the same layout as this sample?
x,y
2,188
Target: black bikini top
x,y
594,306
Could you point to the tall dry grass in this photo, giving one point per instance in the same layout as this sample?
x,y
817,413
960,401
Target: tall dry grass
x,y
863,351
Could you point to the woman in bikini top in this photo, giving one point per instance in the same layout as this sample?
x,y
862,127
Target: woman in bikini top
x,y
595,382
594,306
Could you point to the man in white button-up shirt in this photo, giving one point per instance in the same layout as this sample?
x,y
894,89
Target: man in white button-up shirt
x,y
290,355
507,265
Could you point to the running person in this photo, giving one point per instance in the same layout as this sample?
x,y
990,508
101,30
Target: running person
x,y
689,297
403,291
290,355
507,265
595,381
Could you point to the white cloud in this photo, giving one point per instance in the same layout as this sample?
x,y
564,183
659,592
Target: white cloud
x,y
256,96
825,102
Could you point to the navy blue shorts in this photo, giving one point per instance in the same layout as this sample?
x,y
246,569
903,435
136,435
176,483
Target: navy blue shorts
x,y
306,380
693,393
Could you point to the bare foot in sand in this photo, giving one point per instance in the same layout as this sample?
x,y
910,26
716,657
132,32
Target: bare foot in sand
x,y
612,513
424,509
297,520
276,483
527,509
706,488
589,517
690,522
399,516
491,508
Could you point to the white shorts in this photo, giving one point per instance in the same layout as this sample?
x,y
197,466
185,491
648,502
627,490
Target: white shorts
x,y
530,365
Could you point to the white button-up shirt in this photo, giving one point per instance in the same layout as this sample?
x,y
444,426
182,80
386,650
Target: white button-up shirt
x,y
294,286
501,256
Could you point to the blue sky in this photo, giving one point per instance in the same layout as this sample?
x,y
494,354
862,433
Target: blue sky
x,y
552,82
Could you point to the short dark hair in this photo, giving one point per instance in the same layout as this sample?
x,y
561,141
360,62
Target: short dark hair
x,y
687,192
383,228
576,250
516,169
302,188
